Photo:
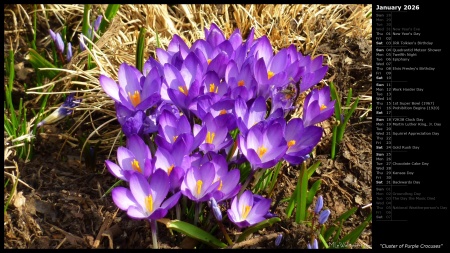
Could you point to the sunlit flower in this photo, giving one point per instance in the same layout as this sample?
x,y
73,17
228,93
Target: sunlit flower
x,y
263,145
300,140
136,157
134,91
145,199
317,106
245,212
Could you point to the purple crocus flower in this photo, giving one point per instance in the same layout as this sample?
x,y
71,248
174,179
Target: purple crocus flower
x,y
216,210
312,72
263,145
317,106
56,37
136,157
245,212
145,200
69,52
323,216
217,136
198,184
229,180
319,204
314,245
97,22
300,140
247,118
64,110
171,128
134,91
174,164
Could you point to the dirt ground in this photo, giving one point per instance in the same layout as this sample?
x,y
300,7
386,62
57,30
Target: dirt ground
x,y
60,202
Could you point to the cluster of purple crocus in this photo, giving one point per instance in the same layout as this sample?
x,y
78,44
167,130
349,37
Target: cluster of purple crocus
x,y
179,112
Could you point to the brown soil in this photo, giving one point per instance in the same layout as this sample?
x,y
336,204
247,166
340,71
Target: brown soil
x,y
60,200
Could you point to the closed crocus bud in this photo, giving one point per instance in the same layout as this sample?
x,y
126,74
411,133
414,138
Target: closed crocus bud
x,y
69,52
323,217
278,240
319,204
97,22
59,43
314,245
216,210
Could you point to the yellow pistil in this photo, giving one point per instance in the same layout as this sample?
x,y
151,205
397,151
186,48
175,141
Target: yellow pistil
x,y
183,90
291,143
213,88
270,74
222,112
245,211
149,203
170,169
175,138
220,186
209,61
199,186
135,165
135,98
323,107
209,137
261,151
241,83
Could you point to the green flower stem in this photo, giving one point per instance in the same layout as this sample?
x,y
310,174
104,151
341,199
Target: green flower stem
x,y
224,231
247,181
154,228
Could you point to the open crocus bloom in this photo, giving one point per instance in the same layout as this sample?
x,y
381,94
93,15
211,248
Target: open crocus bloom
x,y
134,91
245,211
135,158
317,106
144,199
264,145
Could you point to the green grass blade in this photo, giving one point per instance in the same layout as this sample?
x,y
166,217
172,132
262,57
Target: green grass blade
x,y
347,214
112,187
85,27
337,105
257,227
343,125
40,62
110,13
8,93
193,232
140,48
353,236
313,169
312,192
333,143
300,215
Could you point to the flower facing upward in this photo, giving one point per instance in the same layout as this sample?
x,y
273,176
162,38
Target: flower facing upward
x,y
134,91
135,158
317,106
198,184
264,144
144,199
300,140
245,211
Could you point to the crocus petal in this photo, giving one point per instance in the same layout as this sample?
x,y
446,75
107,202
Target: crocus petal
x,y
159,190
115,170
110,87
123,198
